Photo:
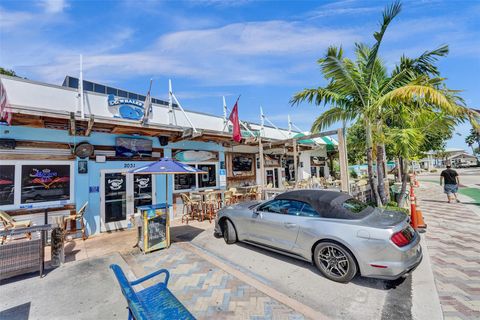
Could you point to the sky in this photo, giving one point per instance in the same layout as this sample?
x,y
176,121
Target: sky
x,y
265,51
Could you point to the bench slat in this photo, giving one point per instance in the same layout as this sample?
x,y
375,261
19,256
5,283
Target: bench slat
x,y
154,302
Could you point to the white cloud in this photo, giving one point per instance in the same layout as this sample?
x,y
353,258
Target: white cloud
x,y
54,6
240,53
12,19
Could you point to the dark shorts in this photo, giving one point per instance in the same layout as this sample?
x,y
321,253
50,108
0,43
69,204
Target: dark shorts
x,y
450,188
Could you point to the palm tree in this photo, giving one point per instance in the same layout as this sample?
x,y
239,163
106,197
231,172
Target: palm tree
x,y
362,90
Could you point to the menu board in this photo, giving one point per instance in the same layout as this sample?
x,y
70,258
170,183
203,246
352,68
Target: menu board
x,y
157,231
154,227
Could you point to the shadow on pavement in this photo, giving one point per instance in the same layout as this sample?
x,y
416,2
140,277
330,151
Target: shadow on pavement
x,y
20,312
359,280
184,233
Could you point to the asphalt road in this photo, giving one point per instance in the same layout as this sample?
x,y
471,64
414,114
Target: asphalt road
x,y
363,298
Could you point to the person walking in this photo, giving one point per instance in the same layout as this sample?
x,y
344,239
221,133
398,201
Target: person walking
x,y
451,182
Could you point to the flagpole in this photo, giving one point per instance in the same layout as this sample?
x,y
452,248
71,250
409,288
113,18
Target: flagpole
x,y
147,105
80,89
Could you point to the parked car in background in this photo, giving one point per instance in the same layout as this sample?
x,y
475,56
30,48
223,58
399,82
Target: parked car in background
x,y
342,236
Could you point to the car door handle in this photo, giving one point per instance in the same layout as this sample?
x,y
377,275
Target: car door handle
x,y
289,225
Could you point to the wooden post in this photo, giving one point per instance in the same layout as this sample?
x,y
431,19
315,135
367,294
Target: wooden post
x,y
295,164
262,165
342,155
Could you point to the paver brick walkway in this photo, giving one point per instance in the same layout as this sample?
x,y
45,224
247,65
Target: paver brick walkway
x,y
208,291
453,240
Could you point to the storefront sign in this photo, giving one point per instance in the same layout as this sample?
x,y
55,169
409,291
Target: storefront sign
x,y
222,173
125,108
195,156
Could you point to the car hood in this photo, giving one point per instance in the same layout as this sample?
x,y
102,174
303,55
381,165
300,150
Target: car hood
x,y
380,218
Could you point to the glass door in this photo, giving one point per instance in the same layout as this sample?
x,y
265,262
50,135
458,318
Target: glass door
x,y
121,194
114,201
272,176
142,190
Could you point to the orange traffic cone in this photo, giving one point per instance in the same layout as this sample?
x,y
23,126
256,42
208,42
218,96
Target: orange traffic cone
x,y
413,210
420,223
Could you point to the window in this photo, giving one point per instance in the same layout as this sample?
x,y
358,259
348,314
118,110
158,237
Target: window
x,y
185,181
132,96
42,183
73,83
87,86
208,179
123,94
200,180
99,88
289,207
112,91
308,211
354,206
7,184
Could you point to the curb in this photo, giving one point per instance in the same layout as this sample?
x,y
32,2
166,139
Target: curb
x,y
425,300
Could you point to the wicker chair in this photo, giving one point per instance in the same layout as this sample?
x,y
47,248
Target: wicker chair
x,y
252,193
237,196
190,207
10,224
77,217
211,205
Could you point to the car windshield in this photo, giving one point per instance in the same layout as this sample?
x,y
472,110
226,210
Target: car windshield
x,y
355,206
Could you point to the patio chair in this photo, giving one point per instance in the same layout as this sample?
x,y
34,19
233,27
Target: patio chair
x,y
252,193
228,198
78,217
190,207
237,196
211,205
9,223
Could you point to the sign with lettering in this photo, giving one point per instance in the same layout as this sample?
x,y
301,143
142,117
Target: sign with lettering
x,y
155,227
126,108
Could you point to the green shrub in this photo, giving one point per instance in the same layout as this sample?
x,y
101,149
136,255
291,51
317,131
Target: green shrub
x,y
433,170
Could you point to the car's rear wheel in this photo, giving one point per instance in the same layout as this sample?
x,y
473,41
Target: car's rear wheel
x,y
229,232
335,262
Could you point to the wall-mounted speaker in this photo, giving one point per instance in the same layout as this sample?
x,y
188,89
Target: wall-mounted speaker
x,y
163,140
8,143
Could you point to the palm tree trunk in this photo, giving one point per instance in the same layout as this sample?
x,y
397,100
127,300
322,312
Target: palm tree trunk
x,y
381,174
401,199
371,176
399,170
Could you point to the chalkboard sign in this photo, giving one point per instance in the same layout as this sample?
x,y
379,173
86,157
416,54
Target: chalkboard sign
x,y
154,227
157,230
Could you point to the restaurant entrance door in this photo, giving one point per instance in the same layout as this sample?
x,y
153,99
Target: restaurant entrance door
x,y
272,177
121,194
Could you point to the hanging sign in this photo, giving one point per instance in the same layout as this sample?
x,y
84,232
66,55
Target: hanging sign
x,y
195,156
125,108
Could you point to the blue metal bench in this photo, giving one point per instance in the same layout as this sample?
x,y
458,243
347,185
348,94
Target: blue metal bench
x,y
154,302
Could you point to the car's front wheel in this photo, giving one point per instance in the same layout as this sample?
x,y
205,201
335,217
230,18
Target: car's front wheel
x,y
335,262
229,233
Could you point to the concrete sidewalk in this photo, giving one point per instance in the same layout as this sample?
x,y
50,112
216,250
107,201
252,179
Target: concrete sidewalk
x,y
453,241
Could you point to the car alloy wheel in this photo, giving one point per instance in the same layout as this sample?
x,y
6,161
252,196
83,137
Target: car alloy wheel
x,y
335,262
229,233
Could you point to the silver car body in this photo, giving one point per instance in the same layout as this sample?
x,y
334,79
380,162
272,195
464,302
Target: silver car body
x,y
368,238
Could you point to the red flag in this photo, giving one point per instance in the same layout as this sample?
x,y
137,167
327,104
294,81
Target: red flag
x,y
237,135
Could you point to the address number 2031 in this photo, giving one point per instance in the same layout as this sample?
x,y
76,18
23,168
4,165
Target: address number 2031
x,y
129,165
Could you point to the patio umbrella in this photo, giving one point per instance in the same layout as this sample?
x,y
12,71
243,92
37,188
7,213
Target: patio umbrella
x,y
166,166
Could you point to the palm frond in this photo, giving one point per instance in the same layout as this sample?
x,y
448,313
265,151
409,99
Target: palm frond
x,y
331,116
388,15
416,92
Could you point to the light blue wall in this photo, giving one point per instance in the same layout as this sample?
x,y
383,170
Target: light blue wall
x,y
83,182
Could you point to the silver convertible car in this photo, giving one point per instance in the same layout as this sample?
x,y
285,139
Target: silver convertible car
x,y
342,236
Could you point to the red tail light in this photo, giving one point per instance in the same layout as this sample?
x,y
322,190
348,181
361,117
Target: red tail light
x,y
402,238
